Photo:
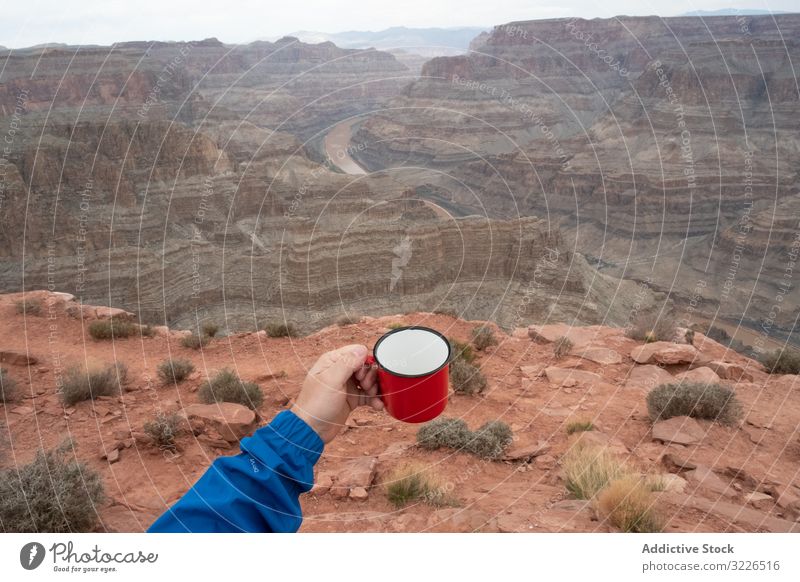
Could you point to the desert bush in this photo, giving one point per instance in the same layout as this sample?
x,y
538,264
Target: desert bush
x,y
695,399
580,426
483,337
174,371
785,361
447,312
653,327
226,386
395,325
163,429
281,330
53,493
9,391
415,482
628,505
562,347
446,432
588,469
723,337
147,330
195,342
29,306
491,440
112,328
460,350
79,385
689,336
344,320
210,329
466,378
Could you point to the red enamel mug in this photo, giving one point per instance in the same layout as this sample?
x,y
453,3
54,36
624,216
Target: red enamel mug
x,y
413,372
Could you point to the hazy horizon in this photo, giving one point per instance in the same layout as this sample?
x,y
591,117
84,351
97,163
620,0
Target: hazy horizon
x,y
92,22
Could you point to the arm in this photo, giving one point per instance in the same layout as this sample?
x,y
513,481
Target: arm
x,y
255,491
259,489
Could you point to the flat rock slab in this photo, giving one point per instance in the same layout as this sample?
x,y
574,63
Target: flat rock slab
x,y
648,377
747,518
666,353
730,371
681,430
14,358
601,440
232,421
579,336
704,478
356,474
702,375
603,356
526,452
570,377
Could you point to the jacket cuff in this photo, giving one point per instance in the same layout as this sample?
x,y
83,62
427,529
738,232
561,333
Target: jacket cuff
x,y
295,434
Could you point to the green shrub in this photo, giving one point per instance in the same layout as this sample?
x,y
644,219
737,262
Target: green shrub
x,y
79,385
489,441
344,320
460,350
785,361
53,494
195,342
483,337
163,429
112,328
653,327
466,378
226,386
580,426
414,482
562,347
589,469
29,306
9,390
174,371
281,330
710,401
451,433
210,329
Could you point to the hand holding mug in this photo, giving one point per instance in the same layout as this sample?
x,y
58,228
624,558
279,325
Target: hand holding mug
x,y
337,384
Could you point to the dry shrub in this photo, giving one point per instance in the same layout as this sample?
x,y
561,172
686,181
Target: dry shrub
x,y
80,385
580,426
483,337
466,378
785,361
174,371
629,506
195,342
395,325
163,429
710,401
415,482
562,347
489,441
588,469
226,386
147,330
281,330
210,329
29,306
461,351
53,493
9,391
344,320
653,327
112,328
446,312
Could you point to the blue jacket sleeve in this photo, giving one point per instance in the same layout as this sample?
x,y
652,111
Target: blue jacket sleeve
x,y
255,491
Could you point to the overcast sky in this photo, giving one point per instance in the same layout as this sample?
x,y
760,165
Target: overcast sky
x,y
30,22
